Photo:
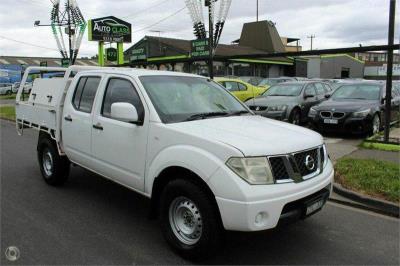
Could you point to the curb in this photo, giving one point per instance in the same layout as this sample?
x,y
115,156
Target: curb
x,y
368,203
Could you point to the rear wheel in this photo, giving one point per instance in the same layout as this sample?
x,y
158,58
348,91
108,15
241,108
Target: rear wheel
x,y
189,220
9,92
54,168
295,117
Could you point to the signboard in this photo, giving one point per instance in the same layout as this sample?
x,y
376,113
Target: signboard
x,y
109,29
138,54
43,63
199,48
111,54
65,62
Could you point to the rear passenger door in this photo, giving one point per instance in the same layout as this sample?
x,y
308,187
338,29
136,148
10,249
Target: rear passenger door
x,y
77,119
321,91
119,147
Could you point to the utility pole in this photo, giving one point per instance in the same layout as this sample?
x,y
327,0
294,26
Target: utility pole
x,y
210,39
389,73
257,10
312,36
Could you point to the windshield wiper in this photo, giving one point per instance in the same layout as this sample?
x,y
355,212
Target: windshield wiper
x,y
205,115
239,112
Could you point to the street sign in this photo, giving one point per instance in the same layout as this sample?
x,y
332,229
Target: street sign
x,y
109,29
65,62
111,54
200,48
138,54
43,63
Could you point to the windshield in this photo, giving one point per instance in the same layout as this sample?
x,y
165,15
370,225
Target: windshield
x,y
179,99
284,90
358,92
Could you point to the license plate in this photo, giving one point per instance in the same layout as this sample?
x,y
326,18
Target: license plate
x,y
315,206
330,121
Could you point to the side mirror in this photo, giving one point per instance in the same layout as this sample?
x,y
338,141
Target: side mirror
x,y
125,112
327,96
383,100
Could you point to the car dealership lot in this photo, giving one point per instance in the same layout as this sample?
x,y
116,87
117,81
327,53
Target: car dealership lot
x,y
94,221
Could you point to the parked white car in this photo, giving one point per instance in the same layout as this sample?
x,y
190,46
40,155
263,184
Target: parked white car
x,y
207,163
5,88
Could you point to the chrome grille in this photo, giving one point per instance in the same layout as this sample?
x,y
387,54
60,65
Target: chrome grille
x,y
301,159
258,108
278,168
338,115
297,166
326,114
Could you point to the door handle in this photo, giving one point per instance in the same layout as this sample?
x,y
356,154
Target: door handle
x,y
98,126
68,118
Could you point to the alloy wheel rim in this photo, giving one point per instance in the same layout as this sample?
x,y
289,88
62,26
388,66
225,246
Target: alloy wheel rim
x,y
47,162
185,220
375,125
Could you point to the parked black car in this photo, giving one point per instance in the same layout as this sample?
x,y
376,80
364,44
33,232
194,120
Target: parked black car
x,y
356,108
289,101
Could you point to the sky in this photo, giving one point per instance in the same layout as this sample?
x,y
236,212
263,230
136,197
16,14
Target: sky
x,y
335,23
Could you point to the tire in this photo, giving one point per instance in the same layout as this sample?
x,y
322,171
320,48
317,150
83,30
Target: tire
x,y
190,221
295,117
54,168
375,124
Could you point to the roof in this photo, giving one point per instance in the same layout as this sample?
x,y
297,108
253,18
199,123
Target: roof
x,y
35,61
183,48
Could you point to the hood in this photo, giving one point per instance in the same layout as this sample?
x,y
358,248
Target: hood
x,y
346,105
271,100
252,135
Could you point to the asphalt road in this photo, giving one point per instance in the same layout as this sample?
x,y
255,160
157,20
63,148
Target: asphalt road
x,y
94,221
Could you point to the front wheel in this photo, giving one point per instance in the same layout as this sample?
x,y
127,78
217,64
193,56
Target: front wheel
x,y
376,124
54,168
189,220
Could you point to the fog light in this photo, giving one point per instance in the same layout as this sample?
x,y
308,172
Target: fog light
x,y
261,218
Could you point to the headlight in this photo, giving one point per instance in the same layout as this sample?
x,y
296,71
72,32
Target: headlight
x,y
362,113
277,108
326,158
254,170
312,112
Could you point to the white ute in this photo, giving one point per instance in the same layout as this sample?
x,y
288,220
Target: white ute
x,y
205,160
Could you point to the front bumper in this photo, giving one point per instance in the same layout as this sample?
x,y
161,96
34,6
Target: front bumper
x,y
263,205
347,124
277,115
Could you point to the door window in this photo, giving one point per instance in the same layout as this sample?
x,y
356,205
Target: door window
x,y
242,87
85,93
320,88
231,86
121,90
310,90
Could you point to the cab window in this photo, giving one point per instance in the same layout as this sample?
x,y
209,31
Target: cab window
x,y
121,90
85,93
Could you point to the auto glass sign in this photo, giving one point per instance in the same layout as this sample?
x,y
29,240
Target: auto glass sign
x,y
110,29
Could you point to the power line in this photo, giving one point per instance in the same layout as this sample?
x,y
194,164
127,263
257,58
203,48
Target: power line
x,y
145,9
161,20
33,45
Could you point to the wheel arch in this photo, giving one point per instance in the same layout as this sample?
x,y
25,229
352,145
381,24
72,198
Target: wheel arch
x,y
172,173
